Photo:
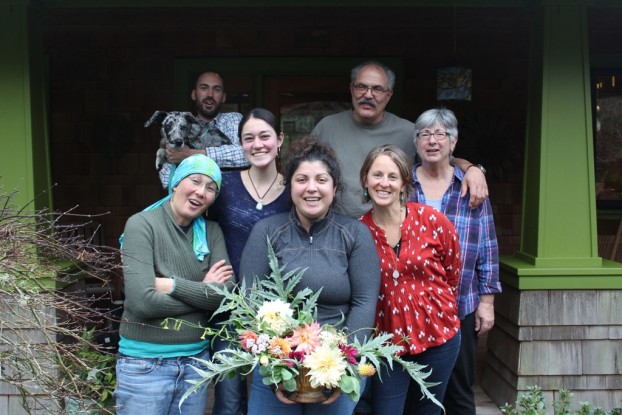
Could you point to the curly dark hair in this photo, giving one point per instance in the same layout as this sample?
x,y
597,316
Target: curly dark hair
x,y
309,148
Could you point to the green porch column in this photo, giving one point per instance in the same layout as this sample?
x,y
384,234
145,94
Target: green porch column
x,y
24,160
559,237
557,321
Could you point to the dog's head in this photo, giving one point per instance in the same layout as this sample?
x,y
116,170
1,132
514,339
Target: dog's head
x,y
177,127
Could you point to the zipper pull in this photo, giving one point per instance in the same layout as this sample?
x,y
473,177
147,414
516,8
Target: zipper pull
x,y
311,239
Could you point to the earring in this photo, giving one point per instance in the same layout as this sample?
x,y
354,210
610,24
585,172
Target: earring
x,y
402,197
278,151
366,194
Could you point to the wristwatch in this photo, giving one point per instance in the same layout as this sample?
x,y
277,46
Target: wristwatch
x,y
479,166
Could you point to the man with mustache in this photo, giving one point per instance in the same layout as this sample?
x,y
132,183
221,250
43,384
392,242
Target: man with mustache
x,y
353,133
209,95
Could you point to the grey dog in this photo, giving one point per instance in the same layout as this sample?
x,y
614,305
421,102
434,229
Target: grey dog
x,y
180,129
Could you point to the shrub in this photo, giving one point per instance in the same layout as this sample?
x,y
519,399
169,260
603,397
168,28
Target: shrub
x,y
44,352
533,403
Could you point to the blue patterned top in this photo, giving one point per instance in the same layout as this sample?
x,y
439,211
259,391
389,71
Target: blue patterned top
x,y
478,242
235,212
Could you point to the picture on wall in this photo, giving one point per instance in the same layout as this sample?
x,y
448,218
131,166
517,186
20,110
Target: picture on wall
x,y
453,83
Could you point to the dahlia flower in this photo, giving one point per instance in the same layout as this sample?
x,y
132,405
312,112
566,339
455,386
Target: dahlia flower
x,y
278,314
326,366
306,338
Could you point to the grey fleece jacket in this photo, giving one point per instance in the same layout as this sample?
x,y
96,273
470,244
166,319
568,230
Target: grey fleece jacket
x,y
340,257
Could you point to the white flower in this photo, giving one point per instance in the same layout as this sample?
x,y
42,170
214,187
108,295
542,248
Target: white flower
x,y
332,338
278,314
261,344
326,366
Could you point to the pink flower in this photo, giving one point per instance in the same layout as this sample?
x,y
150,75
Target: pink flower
x,y
350,352
248,339
306,338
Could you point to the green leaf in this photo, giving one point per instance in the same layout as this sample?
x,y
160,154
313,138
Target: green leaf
x,y
289,384
350,386
286,374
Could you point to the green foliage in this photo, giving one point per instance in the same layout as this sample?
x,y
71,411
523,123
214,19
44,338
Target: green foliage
x,y
533,403
91,370
296,310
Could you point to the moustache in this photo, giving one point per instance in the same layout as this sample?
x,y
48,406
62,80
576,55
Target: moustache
x,y
371,102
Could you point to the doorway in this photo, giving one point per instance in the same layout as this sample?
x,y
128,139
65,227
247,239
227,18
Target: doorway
x,y
300,91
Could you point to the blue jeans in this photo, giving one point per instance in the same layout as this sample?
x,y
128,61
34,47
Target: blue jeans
x,y
263,401
230,395
155,386
398,394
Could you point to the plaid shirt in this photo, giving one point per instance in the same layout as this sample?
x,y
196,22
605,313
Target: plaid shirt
x,y
478,242
227,156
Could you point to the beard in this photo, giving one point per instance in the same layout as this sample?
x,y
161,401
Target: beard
x,y
205,112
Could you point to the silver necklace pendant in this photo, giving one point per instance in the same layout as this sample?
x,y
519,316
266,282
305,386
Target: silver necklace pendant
x,y
259,205
396,274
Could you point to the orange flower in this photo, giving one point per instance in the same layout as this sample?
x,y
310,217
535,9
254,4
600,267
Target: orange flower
x,y
306,337
279,347
366,370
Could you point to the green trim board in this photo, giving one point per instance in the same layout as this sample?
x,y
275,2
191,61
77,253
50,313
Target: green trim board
x,y
525,276
609,213
605,60
39,112
286,3
23,110
314,3
15,106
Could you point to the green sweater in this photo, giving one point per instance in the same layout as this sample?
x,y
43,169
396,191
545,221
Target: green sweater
x,y
153,246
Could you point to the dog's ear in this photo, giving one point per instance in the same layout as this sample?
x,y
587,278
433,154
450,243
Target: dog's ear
x,y
193,124
157,116
190,118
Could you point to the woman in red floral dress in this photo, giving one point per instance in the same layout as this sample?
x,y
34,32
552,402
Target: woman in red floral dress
x,y
420,268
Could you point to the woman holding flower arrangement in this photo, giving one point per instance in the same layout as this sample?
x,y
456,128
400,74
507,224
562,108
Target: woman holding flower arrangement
x,y
420,269
170,255
340,264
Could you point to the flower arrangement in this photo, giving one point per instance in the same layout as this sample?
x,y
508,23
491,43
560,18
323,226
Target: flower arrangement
x,y
274,328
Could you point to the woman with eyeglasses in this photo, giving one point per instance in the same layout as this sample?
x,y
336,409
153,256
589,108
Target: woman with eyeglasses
x,y
437,183
420,268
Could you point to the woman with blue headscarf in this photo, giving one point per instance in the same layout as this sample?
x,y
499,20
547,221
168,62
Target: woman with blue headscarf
x,y
171,256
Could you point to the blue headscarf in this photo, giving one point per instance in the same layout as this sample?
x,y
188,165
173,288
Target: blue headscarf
x,y
201,164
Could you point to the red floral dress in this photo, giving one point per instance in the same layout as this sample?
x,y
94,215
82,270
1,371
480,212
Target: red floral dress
x,y
418,302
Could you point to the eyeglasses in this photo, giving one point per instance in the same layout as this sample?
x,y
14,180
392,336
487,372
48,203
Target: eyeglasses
x,y
362,89
438,135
